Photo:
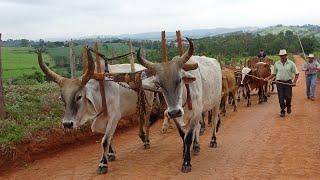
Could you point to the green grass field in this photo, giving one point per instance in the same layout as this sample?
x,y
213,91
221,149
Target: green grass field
x,y
19,61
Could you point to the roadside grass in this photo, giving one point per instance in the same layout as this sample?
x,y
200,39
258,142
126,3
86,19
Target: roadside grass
x,y
29,108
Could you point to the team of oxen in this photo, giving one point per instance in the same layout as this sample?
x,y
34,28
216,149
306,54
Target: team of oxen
x,y
210,88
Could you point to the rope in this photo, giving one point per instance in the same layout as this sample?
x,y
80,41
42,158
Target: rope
x,y
290,84
113,58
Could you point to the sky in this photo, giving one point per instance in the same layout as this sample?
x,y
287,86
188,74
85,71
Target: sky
x,y
45,19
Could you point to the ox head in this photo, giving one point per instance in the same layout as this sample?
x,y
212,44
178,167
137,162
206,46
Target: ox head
x,y
169,78
73,92
244,73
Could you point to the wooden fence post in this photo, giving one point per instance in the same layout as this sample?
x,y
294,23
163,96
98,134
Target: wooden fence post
x,y
72,59
131,57
2,112
164,47
101,82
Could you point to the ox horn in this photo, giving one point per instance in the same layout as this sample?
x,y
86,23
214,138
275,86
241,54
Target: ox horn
x,y
89,71
189,67
149,65
48,72
186,56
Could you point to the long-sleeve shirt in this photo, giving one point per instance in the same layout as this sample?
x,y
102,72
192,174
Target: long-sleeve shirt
x,y
311,67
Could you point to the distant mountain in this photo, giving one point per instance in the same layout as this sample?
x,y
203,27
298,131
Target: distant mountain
x,y
304,30
195,33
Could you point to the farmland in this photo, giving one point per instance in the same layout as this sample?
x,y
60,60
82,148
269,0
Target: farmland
x,y
19,61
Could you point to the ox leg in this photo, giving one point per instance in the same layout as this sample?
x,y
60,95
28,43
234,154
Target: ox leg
x,y
266,93
105,144
234,103
112,154
210,118
165,124
248,95
215,127
196,141
260,93
238,93
223,105
203,123
187,141
147,127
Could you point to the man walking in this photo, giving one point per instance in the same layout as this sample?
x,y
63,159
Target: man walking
x,y
284,70
311,67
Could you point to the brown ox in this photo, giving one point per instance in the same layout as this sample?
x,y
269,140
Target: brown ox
x,y
229,89
261,70
251,63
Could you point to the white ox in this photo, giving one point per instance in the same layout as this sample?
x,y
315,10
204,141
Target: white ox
x,y
205,91
82,101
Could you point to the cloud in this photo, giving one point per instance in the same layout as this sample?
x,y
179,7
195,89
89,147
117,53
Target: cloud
x,y
35,19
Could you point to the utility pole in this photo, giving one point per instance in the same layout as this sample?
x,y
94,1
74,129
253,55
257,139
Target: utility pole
x,y
2,112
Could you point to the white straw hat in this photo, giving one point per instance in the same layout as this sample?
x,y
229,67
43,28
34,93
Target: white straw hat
x,y
311,56
282,52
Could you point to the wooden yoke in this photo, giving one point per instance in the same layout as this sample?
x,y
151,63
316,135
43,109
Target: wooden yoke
x,y
164,47
101,81
179,41
131,57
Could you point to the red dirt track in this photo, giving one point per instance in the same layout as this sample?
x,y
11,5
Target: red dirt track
x,y
253,143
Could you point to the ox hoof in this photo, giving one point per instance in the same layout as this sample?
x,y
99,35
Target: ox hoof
x,y
213,144
146,146
102,170
202,131
196,150
186,168
111,157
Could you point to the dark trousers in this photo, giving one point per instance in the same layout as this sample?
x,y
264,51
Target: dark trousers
x,y
284,95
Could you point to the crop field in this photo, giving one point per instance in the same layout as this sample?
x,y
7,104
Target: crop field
x,y
19,61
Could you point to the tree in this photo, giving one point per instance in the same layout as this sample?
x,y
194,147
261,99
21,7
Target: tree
x,y
24,43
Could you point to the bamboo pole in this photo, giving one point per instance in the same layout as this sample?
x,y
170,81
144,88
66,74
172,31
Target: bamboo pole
x,y
2,112
131,56
164,47
101,82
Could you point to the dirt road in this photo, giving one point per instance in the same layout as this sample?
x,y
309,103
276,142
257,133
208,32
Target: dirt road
x,y
253,143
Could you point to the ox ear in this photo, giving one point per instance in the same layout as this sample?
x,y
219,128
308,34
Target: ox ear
x,y
188,77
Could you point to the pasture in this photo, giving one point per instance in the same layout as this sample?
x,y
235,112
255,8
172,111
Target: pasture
x,y
19,61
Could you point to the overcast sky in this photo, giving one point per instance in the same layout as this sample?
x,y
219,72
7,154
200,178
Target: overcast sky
x,y
35,19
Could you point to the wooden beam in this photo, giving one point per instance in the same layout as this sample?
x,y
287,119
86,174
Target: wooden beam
x,y
101,82
114,54
131,57
164,47
2,112
84,58
72,59
179,41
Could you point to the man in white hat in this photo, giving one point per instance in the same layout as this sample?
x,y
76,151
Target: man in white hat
x,y
311,67
284,71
